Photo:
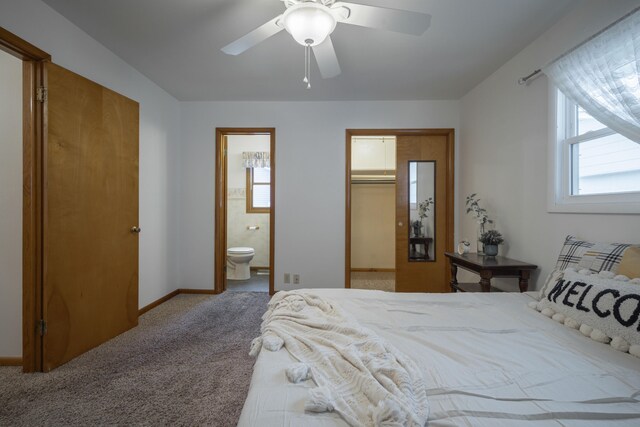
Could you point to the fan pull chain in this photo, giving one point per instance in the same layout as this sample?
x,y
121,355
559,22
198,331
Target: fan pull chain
x,y
306,72
307,64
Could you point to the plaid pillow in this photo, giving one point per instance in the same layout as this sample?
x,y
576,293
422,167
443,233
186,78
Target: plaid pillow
x,y
594,256
571,253
583,255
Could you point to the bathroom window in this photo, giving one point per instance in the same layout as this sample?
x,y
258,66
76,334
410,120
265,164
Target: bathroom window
x,y
258,190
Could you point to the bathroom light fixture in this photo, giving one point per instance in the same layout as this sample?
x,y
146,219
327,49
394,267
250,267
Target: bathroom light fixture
x,y
310,24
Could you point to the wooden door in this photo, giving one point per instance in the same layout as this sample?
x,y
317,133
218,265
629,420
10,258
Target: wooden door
x,y
90,286
427,271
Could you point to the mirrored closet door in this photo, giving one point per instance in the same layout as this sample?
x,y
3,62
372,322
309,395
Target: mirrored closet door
x,y
399,209
424,212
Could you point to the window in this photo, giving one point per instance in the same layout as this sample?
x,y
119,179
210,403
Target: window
x,y
596,169
258,190
413,185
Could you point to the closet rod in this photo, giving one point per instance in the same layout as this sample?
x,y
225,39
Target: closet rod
x,y
369,181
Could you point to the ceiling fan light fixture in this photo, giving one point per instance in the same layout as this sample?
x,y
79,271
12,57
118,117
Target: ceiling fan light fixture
x,y
309,23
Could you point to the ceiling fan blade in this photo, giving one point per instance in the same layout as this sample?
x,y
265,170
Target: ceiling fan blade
x,y
256,36
327,59
382,18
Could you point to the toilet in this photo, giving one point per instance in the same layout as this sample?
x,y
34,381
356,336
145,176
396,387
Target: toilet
x,y
238,263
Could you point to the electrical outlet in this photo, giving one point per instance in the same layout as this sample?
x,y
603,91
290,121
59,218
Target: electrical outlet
x,y
296,279
287,278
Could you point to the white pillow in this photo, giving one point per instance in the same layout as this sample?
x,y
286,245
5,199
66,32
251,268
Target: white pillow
x,y
603,308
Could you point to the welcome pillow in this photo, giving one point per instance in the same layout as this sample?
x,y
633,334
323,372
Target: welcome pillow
x,y
604,308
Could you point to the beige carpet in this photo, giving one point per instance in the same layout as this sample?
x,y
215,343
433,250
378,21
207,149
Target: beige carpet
x,y
186,363
381,281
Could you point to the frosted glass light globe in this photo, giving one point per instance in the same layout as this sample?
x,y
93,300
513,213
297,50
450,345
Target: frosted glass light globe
x,y
309,23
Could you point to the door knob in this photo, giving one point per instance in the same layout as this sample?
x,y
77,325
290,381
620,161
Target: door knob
x,y
400,224
136,230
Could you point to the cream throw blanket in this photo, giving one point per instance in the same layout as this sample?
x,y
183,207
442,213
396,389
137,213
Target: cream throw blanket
x,y
359,375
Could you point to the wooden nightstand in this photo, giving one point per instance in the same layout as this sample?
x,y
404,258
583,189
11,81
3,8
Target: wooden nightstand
x,y
487,267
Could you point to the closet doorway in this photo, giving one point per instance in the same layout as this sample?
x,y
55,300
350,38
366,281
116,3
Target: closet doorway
x,y
373,195
245,214
399,209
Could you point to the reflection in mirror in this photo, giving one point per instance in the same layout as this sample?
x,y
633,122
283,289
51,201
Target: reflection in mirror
x,y
422,236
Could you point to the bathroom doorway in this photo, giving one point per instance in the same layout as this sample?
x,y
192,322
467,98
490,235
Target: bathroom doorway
x,y
245,181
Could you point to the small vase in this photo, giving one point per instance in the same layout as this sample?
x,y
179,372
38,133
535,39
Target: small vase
x,y
491,250
417,230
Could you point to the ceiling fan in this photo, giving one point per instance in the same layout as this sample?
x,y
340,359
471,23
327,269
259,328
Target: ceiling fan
x,y
311,22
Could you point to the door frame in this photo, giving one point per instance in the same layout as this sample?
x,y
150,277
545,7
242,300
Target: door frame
x,y
220,276
33,125
450,196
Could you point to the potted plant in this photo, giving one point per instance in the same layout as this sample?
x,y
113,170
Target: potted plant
x,y
491,239
480,215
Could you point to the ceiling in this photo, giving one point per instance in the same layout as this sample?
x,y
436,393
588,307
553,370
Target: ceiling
x,y
176,44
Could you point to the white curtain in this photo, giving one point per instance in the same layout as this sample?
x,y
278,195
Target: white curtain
x,y
256,159
603,76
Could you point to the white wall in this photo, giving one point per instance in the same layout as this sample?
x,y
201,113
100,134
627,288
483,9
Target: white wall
x,y
373,226
503,149
238,220
373,154
310,178
72,48
10,206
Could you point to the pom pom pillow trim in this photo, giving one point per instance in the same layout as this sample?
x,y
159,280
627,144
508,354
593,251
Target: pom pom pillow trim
x,y
605,309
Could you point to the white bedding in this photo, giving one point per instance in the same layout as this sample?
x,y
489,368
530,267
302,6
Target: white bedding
x,y
487,360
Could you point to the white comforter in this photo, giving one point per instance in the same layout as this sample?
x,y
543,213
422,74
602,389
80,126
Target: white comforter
x,y
487,360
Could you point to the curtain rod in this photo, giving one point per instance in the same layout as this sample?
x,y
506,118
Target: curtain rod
x,y
524,80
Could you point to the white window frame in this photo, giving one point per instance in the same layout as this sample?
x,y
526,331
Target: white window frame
x,y
413,204
559,197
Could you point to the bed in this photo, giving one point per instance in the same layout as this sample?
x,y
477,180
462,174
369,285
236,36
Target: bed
x,y
486,359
